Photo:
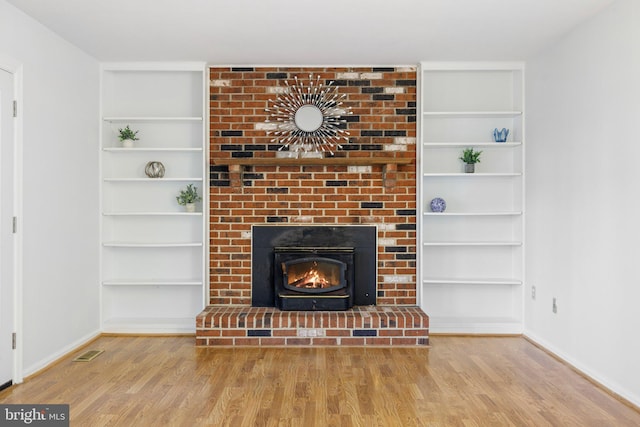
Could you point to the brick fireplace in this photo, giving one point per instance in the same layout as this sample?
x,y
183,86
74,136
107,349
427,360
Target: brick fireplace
x,y
370,181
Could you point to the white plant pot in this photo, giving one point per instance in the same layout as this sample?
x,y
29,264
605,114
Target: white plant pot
x,y
190,207
127,143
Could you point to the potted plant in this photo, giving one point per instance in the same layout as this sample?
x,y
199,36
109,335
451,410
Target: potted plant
x,y
470,157
127,136
189,197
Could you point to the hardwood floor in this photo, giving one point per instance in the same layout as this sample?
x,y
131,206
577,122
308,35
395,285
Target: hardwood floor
x,y
458,381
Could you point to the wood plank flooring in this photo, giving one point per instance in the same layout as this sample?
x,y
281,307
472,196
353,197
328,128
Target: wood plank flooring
x,y
457,381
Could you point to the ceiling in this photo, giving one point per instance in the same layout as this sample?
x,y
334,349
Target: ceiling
x,y
374,32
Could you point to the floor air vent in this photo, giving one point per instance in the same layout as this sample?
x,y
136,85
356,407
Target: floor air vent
x,y
88,356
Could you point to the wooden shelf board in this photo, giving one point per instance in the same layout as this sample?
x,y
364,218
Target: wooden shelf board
x,y
153,119
474,325
152,213
472,114
471,281
505,243
151,179
506,213
471,144
152,245
170,325
353,161
134,149
151,282
470,175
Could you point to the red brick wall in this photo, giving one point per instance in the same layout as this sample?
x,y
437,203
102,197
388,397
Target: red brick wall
x,y
383,124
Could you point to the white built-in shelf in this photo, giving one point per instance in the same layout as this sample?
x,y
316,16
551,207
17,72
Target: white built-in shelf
x,y
178,325
445,214
471,144
475,325
153,253
151,245
476,320
472,114
471,259
472,175
152,119
497,243
152,282
152,213
138,149
152,179
471,281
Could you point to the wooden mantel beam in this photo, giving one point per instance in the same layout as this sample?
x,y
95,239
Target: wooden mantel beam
x,y
351,161
389,171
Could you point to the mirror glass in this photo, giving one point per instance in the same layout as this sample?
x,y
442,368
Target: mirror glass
x,y
308,118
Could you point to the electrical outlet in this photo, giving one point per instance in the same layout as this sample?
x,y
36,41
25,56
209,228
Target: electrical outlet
x,y
554,307
533,292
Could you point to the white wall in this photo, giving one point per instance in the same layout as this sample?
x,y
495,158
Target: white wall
x,y
60,195
583,197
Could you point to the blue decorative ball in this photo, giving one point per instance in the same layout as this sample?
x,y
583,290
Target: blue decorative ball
x,y
438,205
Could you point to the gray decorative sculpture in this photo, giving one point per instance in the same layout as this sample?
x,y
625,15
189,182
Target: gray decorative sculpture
x,y
154,169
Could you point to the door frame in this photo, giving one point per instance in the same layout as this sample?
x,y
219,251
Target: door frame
x,y
14,67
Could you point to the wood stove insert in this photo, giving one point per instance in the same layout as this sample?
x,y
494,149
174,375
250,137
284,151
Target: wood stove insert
x,y
347,253
313,278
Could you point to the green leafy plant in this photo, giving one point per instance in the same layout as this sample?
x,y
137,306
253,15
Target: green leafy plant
x,y
189,195
470,157
127,133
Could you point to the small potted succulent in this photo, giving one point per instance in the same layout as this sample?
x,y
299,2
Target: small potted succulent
x,y
188,198
470,157
127,136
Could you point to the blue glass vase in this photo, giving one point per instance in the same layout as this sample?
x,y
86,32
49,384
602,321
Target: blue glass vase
x,y
500,135
438,205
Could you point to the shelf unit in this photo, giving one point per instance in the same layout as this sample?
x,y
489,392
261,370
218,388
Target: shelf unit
x,y
153,253
471,256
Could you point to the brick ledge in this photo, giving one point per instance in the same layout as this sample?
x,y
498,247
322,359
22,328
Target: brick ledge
x,y
381,326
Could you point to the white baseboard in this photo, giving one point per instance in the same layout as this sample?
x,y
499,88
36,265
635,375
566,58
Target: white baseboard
x,y
44,363
611,386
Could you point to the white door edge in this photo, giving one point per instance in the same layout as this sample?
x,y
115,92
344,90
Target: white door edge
x,y
14,67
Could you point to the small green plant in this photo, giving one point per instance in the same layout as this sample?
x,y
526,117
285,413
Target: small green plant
x,y
189,195
127,133
470,157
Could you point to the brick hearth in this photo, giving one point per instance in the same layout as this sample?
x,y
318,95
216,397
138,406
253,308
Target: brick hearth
x,y
266,326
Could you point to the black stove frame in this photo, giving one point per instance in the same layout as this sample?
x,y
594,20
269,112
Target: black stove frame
x,y
361,238
338,297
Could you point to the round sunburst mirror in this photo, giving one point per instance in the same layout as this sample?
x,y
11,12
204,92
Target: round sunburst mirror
x,y
308,117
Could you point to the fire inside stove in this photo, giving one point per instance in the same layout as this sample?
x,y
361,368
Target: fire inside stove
x,y
313,275
313,278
